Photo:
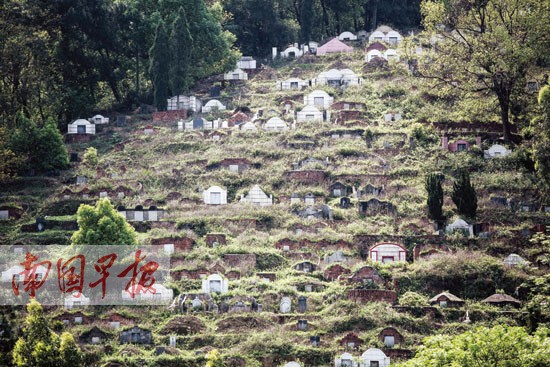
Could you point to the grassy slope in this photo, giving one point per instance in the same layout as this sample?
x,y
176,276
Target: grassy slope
x,y
146,164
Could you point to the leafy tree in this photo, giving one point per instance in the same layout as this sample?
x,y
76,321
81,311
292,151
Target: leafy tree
x,y
90,157
484,48
69,351
42,147
102,225
39,346
434,187
541,143
464,195
500,346
182,46
307,17
159,67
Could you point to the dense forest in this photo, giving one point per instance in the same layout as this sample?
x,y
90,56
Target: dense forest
x,y
65,58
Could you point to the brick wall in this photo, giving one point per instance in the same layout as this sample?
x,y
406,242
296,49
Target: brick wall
x,y
372,295
169,116
307,176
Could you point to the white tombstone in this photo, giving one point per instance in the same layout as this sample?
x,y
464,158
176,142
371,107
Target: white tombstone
x,y
309,113
172,341
286,305
246,62
81,127
213,105
99,120
514,260
347,36
345,360
373,54
237,74
76,300
258,197
293,364
386,252
275,124
114,324
292,84
319,99
375,355
462,225
248,127
495,151
169,248
292,52
4,214
215,283
215,195
16,272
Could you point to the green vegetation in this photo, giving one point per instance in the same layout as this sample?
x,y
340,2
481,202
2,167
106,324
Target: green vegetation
x,y
498,346
40,148
146,50
102,225
464,195
39,346
478,51
434,188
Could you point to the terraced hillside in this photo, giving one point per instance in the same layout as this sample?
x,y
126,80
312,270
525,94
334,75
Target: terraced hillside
x,y
317,273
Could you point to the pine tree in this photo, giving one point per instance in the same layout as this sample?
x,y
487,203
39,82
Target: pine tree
x,y
541,143
182,50
159,67
464,195
434,188
41,347
306,20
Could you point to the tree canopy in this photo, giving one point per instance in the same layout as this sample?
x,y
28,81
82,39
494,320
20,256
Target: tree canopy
x,y
39,346
484,48
102,225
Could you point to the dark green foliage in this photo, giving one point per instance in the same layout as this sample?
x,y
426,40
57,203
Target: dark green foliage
x,y
306,20
434,187
42,147
9,334
541,146
464,195
269,261
159,67
258,26
181,45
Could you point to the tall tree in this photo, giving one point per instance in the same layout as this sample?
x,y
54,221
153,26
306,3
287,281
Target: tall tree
x,y
464,195
40,346
434,188
159,67
182,50
485,47
307,17
541,143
